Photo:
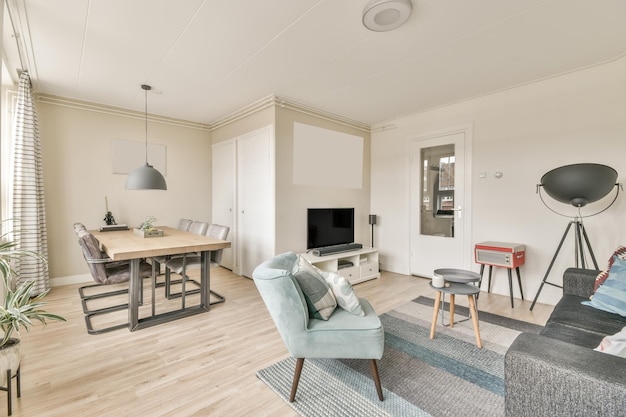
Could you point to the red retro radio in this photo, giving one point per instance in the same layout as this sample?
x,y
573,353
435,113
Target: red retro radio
x,y
508,255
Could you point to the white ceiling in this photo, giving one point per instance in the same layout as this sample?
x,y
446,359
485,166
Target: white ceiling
x,y
209,58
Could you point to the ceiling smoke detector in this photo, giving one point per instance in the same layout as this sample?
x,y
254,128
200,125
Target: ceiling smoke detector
x,y
385,15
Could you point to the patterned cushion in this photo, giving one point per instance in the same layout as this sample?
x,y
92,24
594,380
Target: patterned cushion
x,y
602,276
344,294
611,295
614,344
318,295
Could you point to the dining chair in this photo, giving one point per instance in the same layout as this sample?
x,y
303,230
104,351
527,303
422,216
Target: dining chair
x,y
198,227
185,226
104,271
78,227
182,264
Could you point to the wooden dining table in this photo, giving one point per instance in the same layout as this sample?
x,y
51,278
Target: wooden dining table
x,y
126,245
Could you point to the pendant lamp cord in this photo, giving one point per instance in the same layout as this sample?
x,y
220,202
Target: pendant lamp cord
x,y
146,88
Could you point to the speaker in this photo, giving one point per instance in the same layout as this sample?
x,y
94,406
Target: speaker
x,y
372,219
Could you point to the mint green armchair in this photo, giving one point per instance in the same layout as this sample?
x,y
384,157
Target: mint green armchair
x,y
343,335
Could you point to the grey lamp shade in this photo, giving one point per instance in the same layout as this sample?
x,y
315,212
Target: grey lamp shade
x,y
579,184
145,178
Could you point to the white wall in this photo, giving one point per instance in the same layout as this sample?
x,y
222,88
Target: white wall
x,y
522,132
76,146
292,200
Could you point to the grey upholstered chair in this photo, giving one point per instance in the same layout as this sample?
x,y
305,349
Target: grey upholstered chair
x,y
184,225
180,265
104,271
78,227
198,228
343,335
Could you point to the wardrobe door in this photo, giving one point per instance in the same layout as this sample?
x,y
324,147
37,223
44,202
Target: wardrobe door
x,y
255,199
223,201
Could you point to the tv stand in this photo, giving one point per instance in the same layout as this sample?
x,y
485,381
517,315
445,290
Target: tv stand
x,y
364,264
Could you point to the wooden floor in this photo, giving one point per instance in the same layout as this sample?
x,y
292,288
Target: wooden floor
x,y
198,366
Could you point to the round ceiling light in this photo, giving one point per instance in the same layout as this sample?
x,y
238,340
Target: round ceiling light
x,y
384,15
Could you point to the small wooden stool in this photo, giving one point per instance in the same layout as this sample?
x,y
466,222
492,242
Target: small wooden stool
x,y
453,289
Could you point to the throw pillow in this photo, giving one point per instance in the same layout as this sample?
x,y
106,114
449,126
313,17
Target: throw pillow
x,y
620,253
614,345
611,296
317,293
344,294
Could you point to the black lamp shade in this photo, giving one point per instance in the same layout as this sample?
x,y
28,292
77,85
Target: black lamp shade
x,y
372,219
579,184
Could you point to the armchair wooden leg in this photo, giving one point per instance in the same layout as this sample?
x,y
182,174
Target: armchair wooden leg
x,y
296,379
376,377
435,314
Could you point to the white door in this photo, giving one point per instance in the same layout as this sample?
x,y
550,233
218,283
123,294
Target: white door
x,y
255,200
223,186
439,204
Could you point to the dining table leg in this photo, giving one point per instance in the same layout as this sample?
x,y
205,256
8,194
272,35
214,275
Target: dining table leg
x,y
134,291
205,279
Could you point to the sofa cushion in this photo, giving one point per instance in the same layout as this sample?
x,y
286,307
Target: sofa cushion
x,y
574,335
611,295
570,312
317,293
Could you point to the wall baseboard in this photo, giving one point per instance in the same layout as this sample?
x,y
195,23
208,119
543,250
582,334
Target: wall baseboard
x,y
74,279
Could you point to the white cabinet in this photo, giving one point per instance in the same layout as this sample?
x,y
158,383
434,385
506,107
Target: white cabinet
x,y
356,266
223,202
246,197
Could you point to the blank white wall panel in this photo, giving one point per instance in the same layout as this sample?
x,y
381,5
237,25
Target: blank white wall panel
x,y
324,157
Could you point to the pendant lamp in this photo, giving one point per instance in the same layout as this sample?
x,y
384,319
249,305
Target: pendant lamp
x,y
146,177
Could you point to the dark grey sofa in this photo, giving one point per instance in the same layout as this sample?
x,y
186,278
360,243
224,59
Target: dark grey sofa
x,y
557,372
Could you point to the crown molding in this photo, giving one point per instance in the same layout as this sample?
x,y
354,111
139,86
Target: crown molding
x,y
264,103
312,111
243,112
273,100
116,111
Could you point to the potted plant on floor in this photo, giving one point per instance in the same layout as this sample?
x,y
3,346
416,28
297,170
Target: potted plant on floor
x,y
18,309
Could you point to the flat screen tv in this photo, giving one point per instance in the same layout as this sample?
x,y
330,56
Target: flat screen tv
x,y
329,227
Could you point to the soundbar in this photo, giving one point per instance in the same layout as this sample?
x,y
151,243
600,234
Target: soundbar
x,y
329,250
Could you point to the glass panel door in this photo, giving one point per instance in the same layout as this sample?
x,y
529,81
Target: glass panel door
x,y
437,190
439,224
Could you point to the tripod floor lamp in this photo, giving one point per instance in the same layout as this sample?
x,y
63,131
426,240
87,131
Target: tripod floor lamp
x,y
578,185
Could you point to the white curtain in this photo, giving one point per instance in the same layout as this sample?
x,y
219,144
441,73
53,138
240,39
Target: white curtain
x,y
29,214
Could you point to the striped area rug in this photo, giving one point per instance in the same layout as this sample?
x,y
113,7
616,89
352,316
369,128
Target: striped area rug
x,y
446,376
